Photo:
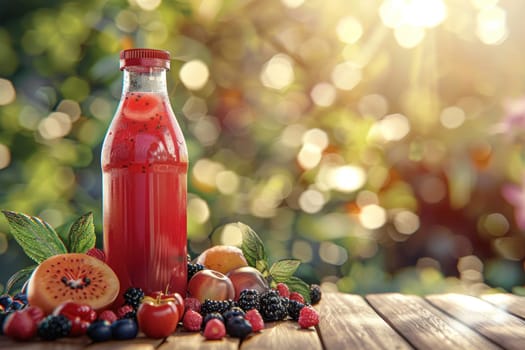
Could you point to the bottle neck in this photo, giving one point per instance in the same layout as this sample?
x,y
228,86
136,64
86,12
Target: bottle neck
x,y
144,79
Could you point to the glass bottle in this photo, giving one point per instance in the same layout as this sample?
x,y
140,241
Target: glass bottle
x,y
144,165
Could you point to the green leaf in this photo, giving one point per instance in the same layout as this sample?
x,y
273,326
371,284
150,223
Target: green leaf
x,y
282,270
298,285
18,277
252,246
36,237
82,234
63,233
261,265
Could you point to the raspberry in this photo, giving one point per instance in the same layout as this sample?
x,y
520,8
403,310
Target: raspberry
x,y
97,253
107,315
315,293
211,316
123,311
254,317
308,317
192,304
192,321
214,330
283,290
297,297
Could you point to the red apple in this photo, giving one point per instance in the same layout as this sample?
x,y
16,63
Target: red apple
x,y
176,298
20,326
210,284
157,318
247,277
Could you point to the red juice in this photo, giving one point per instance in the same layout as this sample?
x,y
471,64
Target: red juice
x,y
144,164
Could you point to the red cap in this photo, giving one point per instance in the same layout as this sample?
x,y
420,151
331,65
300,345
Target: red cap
x,y
144,57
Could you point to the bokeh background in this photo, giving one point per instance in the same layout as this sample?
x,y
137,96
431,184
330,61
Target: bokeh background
x,y
379,141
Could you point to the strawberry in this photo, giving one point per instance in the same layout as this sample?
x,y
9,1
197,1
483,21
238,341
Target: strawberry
x,y
297,297
97,253
192,321
283,290
308,317
254,317
214,330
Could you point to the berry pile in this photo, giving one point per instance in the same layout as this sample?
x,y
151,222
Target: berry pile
x,y
20,321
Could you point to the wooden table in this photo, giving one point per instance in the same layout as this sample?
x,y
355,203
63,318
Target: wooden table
x,y
377,321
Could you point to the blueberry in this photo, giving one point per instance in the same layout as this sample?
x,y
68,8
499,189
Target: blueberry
x,y
5,300
233,312
99,331
124,329
238,327
16,305
22,297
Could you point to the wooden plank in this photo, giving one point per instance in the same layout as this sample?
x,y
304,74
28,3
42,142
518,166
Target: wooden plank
x,y
283,335
348,322
503,328
140,343
424,326
195,341
60,344
512,303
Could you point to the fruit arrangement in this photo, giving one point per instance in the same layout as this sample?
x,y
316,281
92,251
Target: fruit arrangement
x,y
232,291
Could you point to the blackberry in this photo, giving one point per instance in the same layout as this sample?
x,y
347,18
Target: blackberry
x,y
294,308
53,327
249,299
132,315
193,269
315,293
133,297
211,316
220,306
272,307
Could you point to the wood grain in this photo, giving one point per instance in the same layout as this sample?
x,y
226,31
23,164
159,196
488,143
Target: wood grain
x,y
503,328
134,344
60,344
424,326
283,335
195,341
508,302
348,322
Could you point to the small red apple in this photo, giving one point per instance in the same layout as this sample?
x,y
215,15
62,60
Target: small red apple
x,y
176,298
210,284
157,318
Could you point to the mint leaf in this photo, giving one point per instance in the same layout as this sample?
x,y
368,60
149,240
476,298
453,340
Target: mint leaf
x,y
63,233
298,285
252,246
36,237
18,277
282,270
82,234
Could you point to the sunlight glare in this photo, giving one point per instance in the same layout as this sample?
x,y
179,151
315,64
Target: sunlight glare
x,y
492,25
194,74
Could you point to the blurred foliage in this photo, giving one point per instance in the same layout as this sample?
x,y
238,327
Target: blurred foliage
x,y
379,141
